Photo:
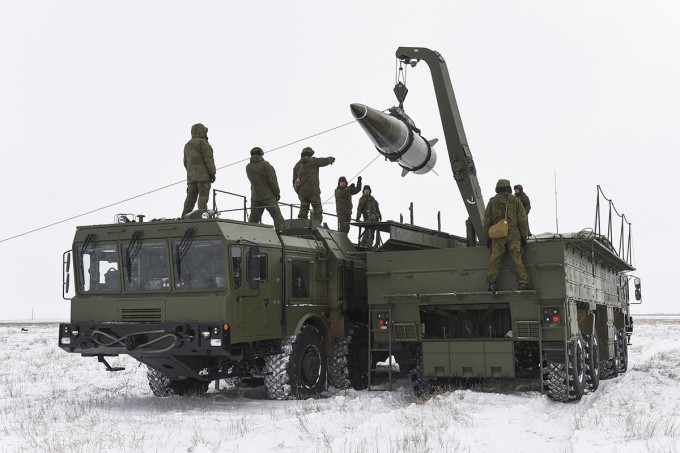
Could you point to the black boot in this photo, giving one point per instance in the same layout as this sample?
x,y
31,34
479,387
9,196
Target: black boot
x,y
492,287
524,287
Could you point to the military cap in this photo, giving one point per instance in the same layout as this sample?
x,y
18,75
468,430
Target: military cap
x,y
519,187
503,185
257,151
307,152
342,179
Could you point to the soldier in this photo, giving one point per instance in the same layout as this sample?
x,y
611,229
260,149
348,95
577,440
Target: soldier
x,y
343,202
264,189
198,160
370,210
524,198
306,183
505,206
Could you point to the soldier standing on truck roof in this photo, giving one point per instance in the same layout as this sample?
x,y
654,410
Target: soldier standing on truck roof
x,y
306,183
370,210
264,189
504,206
524,198
343,202
198,160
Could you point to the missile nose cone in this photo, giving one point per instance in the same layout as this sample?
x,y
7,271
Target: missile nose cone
x,y
358,110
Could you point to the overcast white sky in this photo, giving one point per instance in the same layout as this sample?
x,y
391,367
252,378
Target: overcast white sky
x,y
97,100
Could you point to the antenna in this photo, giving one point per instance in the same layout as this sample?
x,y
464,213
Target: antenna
x,y
557,222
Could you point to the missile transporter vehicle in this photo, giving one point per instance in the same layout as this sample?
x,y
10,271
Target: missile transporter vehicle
x,y
200,299
431,308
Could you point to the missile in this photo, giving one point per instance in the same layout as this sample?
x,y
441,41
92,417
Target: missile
x,y
396,137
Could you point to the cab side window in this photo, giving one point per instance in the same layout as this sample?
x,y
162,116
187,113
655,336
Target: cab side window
x,y
300,276
237,265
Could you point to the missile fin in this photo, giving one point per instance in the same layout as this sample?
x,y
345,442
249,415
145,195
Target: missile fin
x,y
433,141
404,172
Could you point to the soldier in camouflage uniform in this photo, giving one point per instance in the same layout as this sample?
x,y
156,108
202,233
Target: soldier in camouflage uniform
x,y
370,210
198,160
307,170
524,198
343,202
518,231
264,189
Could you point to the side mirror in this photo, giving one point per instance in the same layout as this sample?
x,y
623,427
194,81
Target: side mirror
x,y
66,280
638,288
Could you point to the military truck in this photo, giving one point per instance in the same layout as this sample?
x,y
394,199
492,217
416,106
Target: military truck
x,y
430,308
203,298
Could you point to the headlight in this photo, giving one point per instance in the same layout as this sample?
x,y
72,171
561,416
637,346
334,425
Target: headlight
x,y
65,340
205,334
216,342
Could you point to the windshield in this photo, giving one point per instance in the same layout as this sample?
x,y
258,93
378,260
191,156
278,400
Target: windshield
x,y
146,268
200,265
99,267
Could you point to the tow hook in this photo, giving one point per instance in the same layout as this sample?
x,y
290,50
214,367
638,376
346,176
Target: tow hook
x,y
132,342
109,367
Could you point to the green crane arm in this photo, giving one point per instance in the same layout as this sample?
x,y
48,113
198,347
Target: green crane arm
x,y
462,163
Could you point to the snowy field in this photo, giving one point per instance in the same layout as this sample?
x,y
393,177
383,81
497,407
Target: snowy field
x,y
51,401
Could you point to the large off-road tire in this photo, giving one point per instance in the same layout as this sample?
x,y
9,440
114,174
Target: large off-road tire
x,y
610,368
348,368
622,350
592,361
163,386
422,385
565,383
300,370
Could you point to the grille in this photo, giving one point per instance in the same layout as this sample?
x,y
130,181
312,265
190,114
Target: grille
x,y
141,314
527,330
405,332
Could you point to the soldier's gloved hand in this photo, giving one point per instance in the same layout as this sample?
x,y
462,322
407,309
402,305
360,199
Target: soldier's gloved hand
x,y
488,243
359,179
524,240
332,160
278,197
212,178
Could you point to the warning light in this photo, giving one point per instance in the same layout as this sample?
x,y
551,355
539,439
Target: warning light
x,y
556,319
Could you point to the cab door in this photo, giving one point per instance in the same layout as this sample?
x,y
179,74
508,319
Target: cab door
x,y
257,290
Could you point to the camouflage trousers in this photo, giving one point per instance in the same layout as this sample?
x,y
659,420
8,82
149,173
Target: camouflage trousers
x,y
272,207
367,237
317,209
514,248
343,221
200,190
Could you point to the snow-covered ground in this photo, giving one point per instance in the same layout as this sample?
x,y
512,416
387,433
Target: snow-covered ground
x,y
51,401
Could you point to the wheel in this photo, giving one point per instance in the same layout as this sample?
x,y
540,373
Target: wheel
x,y
566,383
622,350
422,385
592,361
163,386
349,366
300,370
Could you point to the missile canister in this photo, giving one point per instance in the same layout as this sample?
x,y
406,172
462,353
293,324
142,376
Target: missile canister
x,y
396,137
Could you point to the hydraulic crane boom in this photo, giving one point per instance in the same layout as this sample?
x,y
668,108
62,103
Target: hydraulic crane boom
x,y
462,163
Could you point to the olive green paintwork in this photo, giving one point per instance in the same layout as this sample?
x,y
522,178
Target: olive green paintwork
x,y
433,296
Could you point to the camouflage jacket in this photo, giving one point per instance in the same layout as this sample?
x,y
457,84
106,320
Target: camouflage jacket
x,y
518,225
263,182
198,157
524,198
343,198
369,208
307,169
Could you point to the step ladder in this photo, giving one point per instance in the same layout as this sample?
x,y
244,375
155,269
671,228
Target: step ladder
x,y
374,309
